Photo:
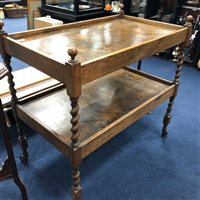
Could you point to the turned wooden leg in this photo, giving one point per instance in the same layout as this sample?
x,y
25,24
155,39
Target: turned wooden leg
x,y
76,188
180,51
167,116
74,121
74,91
22,139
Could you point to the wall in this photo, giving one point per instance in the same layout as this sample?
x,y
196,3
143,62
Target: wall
x,y
33,11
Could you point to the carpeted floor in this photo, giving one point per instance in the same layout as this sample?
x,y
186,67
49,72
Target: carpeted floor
x,y
12,25
136,165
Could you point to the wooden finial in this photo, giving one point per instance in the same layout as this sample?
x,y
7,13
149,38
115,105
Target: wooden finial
x,y
72,52
190,18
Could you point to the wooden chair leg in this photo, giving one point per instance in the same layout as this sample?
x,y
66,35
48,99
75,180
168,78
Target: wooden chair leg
x,y
21,186
9,169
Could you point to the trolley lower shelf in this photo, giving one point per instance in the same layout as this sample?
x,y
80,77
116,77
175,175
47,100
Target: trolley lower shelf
x,y
107,106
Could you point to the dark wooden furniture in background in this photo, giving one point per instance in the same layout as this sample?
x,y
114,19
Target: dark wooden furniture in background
x,y
75,10
190,9
193,53
176,12
111,96
19,2
154,8
9,168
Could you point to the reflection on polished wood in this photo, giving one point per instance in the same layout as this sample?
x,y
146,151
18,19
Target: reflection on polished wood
x,y
103,102
96,84
98,44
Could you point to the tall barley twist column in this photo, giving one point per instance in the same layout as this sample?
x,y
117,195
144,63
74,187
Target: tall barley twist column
x,y
22,139
14,100
181,48
74,121
167,116
76,188
74,103
74,93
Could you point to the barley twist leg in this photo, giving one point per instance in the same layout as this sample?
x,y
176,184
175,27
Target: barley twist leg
x,y
167,116
22,139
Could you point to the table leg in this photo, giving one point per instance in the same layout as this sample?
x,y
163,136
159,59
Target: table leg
x,y
76,188
22,139
167,116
